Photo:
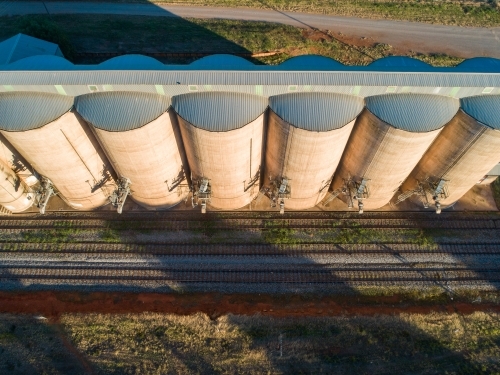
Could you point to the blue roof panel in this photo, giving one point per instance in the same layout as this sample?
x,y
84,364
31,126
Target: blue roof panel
x,y
42,62
399,62
131,62
311,62
221,62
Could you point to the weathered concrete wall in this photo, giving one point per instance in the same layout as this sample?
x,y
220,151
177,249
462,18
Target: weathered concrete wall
x,y
150,158
14,194
307,158
66,152
463,153
229,159
14,160
382,154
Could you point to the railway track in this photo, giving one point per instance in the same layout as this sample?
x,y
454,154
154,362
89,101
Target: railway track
x,y
252,223
207,250
160,262
248,276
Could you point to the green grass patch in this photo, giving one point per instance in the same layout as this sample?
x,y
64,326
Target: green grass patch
x,y
55,235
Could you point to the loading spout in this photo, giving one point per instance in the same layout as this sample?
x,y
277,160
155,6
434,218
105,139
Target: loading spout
x,y
43,194
121,193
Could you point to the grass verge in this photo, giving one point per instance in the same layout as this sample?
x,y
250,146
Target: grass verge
x,y
404,344
455,12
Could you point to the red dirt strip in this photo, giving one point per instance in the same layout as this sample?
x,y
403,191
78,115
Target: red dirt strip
x,y
53,304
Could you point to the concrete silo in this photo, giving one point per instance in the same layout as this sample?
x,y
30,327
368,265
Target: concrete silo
x,y
137,134
58,145
306,136
462,154
10,157
222,134
387,141
15,195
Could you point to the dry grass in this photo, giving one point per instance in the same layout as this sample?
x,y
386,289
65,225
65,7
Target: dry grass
x,y
31,346
167,344
451,12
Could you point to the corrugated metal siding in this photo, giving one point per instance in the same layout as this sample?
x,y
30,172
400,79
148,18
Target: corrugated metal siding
x,y
219,111
485,109
261,90
27,111
350,77
413,112
121,111
317,111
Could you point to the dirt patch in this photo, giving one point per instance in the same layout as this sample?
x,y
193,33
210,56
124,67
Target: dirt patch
x,y
53,304
316,35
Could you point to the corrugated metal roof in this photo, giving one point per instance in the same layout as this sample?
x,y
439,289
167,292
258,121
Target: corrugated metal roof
x,y
484,108
398,62
21,46
352,76
131,62
316,111
121,111
413,112
219,111
29,110
311,62
42,63
220,62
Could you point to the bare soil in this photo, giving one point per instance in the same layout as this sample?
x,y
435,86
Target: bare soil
x,y
54,304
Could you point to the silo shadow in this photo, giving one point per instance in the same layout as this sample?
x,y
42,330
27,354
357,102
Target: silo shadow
x,y
152,31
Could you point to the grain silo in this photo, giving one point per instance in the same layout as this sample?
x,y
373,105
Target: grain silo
x,y
14,160
462,154
137,134
14,193
222,134
58,145
387,141
306,136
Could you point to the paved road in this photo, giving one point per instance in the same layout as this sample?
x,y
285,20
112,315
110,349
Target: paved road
x,y
419,37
